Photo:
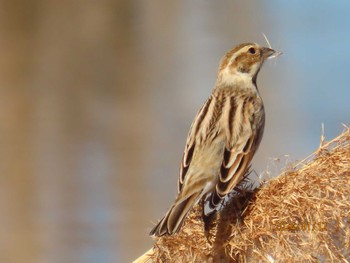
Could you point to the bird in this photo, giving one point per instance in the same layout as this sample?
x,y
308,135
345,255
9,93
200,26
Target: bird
x,y
223,137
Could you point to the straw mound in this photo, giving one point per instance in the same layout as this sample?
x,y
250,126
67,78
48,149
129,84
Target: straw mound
x,y
302,215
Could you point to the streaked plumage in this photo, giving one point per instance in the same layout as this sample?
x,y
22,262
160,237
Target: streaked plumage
x,y
223,137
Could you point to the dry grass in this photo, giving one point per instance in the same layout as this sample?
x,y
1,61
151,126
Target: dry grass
x,y
303,215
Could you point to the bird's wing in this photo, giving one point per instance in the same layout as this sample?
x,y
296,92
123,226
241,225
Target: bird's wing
x,y
191,142
186,160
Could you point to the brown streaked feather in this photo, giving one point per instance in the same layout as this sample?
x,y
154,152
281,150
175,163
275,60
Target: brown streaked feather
x,y
227,173
200,117
191,141
173,220
223,188
232,173
232,113
187,157
233,178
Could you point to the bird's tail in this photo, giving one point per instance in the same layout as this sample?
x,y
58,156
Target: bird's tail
x,y
173,220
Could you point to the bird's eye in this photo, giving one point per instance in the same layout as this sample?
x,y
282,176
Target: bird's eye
x,y
252,50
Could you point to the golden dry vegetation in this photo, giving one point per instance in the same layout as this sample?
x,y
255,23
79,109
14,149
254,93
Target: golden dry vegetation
x,y
300,216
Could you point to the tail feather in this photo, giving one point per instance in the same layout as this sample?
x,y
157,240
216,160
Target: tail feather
x,y
173,220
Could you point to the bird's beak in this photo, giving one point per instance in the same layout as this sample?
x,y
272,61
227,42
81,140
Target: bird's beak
x,y
270,53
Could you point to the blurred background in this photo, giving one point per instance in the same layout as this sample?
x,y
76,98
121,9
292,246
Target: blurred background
x,y
97,98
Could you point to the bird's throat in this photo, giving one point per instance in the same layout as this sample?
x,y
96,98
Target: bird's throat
x,y
236,79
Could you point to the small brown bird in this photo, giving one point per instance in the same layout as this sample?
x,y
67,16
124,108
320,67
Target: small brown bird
x,y
223,137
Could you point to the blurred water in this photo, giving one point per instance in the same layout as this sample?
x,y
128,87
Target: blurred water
x,y
97,98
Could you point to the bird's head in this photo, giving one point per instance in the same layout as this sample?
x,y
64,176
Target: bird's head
x,y
244,61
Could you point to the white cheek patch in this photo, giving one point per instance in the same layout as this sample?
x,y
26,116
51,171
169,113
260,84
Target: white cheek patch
x,y
254,69
227,77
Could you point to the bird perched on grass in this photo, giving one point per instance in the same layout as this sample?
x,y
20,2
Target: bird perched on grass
x,y
223,137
